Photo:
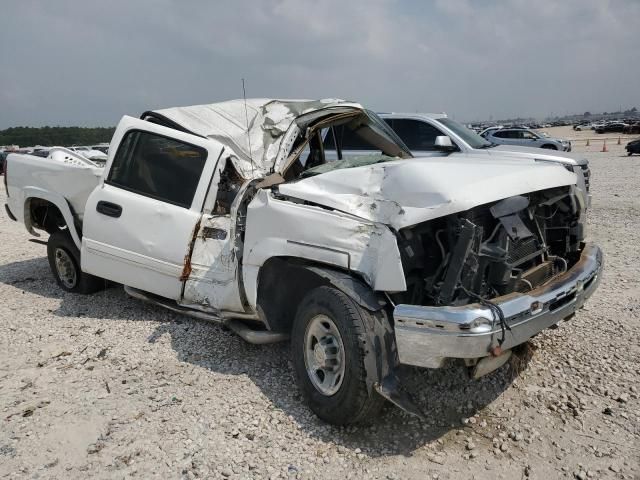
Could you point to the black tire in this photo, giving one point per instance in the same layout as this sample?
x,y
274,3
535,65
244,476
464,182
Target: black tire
x,y
550,147
75,281
353,402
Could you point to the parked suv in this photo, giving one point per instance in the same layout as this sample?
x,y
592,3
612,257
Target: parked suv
x,y
526,138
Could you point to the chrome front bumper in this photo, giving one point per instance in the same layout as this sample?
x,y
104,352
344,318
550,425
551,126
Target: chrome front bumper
x,y
427,336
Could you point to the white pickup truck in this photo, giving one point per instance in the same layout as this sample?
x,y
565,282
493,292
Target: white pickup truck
x,y
232,212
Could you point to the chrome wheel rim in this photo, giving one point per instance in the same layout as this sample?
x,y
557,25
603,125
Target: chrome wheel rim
x,y
65,268
324,355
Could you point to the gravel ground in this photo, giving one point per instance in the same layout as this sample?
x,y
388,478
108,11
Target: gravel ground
x,y
106,386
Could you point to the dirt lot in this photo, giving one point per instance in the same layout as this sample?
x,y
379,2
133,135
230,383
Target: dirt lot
x,y
596,140
108,387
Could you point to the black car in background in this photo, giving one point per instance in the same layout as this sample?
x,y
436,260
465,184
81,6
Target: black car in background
x,y
633,147
632,128
3,160
611,127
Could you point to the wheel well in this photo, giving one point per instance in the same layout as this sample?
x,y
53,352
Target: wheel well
x,y
283,282
45,215
282,285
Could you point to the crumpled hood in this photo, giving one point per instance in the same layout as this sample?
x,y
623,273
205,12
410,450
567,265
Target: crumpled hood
x,y
534,152
402,193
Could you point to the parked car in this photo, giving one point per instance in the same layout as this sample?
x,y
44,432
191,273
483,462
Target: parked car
x,y
3,158
420,132
632,128
633,147
486,131
364,263
40,152
90,153
526,138
101,147
611,127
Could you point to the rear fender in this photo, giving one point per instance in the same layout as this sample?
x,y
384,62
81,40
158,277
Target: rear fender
x,y
59,201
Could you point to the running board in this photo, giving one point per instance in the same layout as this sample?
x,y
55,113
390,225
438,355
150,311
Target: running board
x,y
257,337
229,319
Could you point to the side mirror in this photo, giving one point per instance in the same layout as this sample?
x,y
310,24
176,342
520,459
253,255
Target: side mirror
x,y
443,143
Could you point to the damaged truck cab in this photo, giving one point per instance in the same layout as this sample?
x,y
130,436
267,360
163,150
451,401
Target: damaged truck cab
x,y
232,212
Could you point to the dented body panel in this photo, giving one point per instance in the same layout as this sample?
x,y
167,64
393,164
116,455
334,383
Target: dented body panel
x,y
401,193
281,228
212,284
254,130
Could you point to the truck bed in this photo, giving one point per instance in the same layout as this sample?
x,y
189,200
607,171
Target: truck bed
x,y
63,174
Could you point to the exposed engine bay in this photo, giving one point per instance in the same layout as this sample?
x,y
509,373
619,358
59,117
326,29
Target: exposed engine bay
x,y
513,245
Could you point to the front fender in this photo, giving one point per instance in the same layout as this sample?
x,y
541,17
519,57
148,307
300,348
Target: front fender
x,y
281,228
354,288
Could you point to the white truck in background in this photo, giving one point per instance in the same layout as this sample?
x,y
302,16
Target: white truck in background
x,y
239,213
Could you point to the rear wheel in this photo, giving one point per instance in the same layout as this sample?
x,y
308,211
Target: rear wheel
x,y
329,347
64,261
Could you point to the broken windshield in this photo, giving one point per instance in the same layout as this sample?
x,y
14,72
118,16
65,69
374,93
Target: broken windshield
x,y
309,152
350,162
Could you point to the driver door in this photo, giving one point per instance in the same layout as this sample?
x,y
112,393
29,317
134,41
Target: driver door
x,y
139,223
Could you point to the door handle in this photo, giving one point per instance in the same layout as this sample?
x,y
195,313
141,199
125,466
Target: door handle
x,y
109,209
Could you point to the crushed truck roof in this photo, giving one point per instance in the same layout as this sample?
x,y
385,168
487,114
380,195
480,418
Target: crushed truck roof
x,y
253,129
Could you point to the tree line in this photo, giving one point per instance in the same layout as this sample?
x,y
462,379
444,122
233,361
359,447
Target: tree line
x,y
50,136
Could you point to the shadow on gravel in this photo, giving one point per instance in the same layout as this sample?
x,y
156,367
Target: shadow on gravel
x,y
34,276
446,396
28,275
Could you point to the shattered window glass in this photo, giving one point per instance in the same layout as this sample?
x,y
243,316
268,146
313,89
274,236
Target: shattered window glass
x,y
158,167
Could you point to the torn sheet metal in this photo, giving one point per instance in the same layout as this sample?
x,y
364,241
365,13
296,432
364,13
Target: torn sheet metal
x,y
254,129
212,283
402,193
278,228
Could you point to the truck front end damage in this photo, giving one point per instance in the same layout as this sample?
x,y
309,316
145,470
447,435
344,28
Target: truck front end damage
x,y
499,274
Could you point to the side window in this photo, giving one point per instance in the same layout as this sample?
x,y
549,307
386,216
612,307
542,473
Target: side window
x,y
346,138
502,134
415,134
158,167
527,135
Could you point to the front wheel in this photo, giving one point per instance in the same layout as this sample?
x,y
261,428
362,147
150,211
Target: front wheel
x,y
64,261
329,346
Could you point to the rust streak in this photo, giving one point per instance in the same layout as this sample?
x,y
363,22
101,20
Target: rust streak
x,y
186,267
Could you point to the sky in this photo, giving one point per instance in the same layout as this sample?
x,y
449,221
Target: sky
x,y
87,63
